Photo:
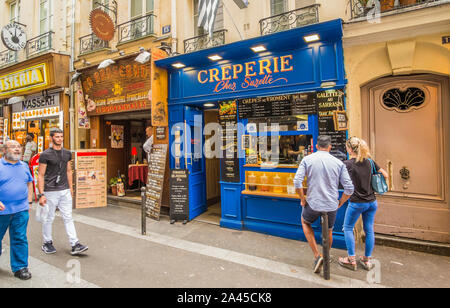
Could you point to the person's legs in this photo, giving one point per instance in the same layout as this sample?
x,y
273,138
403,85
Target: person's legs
x,y
4,224
309,234
368,222
19,241
351,216
65,206
52,202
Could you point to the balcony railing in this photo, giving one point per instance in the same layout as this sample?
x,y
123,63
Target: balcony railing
x,y
39,44
7,57
90,43
205,41
290,20
136,28
363,8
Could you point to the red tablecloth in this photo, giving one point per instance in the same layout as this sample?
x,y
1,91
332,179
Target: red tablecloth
x,y
137,172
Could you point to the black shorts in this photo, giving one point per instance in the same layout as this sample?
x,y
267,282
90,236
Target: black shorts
x,y
310,216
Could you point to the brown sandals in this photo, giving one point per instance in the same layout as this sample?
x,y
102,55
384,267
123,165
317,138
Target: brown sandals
x,y
349,263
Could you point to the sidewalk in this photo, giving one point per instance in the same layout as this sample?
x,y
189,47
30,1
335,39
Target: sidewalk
x,y
399,268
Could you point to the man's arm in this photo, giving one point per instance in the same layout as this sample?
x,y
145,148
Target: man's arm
x,y
30,192
298,182
41,183
69,177
347,183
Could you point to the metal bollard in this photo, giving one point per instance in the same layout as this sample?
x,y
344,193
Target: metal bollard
x,y
144,212
326,246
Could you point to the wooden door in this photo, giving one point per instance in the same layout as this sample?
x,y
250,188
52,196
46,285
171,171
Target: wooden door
x,y
118,157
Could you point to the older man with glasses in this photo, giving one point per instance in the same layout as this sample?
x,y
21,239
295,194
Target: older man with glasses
x,y
16,193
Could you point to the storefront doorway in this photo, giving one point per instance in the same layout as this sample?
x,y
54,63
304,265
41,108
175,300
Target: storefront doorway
x,y
124,137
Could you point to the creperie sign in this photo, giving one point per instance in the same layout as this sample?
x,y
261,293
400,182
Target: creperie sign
x,y
252,74
24,80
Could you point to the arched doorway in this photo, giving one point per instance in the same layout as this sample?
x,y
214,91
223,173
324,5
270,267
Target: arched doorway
x,y
405,120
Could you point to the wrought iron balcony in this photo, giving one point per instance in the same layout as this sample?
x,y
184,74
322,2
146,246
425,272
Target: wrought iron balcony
x,y
7,57
136,28
290,20
205,41
363,8
39,44
90,43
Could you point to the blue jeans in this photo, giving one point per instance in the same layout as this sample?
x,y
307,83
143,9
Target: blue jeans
x,y
354,210
17,224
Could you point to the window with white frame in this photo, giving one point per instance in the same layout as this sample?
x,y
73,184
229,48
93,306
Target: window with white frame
x,y
45,16
140,8
278,7
218,23
14,12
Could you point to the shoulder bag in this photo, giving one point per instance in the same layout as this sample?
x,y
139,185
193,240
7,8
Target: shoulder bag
x,y
378,181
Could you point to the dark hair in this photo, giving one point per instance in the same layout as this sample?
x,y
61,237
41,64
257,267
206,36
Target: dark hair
x,y
55,131
31,135
324,141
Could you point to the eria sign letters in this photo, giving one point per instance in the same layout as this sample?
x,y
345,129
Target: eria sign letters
x,y
24,80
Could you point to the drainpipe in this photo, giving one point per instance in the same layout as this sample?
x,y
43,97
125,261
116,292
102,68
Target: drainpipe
x,y
174,26
72,103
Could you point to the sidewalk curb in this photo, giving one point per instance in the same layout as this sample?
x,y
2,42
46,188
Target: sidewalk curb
x,y
414,245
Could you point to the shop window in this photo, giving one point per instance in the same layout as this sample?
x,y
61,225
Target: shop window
x,y
404,100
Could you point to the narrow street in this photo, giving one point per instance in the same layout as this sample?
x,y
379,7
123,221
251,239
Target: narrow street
x,y
200,255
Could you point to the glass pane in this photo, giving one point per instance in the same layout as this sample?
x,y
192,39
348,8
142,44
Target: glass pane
x,y
13,12
149,5
136,8
278,6
44,9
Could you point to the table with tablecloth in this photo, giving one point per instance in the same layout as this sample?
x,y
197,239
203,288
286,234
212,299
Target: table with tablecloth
x,y
137,172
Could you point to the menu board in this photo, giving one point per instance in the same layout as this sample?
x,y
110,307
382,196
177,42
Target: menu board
x,y
229,163
155,180
328,102
179,195
91,189
276,106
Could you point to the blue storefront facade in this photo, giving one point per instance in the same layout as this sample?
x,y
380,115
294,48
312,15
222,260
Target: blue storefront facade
x,y
241,79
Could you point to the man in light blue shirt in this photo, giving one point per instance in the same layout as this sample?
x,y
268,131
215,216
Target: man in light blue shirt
x,y
324,172
16,188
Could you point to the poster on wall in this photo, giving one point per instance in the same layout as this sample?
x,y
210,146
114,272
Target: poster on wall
x,y
90,173
328,102
158,93
83,119
117,136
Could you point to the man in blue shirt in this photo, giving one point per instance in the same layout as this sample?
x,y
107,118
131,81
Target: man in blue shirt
x,y
16,191
324,172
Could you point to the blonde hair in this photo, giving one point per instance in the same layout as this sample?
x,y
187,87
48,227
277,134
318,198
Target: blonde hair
x,y
360,148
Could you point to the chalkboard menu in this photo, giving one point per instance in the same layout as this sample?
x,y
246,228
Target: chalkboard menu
x,y
161,133
229,163
276,106
327,102
179,195
155,180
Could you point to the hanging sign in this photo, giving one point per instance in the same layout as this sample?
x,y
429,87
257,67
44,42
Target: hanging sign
x,y
102,25
14,37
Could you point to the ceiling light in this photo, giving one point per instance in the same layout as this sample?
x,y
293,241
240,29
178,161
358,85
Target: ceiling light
x,y
106,63
178,65
259,48
209,105
311,38
327,85
215,58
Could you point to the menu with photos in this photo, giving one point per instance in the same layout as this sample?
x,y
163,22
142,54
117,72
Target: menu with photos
x,y
91,178
155,180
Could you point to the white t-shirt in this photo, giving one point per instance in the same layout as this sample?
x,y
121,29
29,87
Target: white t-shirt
x,y
148,147
30,148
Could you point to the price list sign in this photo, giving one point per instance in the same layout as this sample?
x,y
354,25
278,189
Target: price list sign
x,y
179,195
91,178
230,161
328,102
155,180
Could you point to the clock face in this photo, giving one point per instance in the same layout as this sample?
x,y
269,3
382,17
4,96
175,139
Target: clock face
x,y
14,37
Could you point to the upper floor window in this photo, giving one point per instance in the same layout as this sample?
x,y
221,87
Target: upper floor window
x,y
14,12
278,7
141,7
45,14
218,23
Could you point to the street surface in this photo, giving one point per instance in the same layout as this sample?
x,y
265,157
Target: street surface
x,y
200,255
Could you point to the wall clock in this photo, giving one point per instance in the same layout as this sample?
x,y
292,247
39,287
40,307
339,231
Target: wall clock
x,y
14,37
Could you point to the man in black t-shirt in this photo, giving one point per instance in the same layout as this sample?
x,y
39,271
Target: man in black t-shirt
x,y
56,190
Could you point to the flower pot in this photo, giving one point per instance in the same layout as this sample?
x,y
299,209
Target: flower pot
x,y
407,2
387,5
114,190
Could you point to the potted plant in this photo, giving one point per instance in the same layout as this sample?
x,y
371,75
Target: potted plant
x,y
113,184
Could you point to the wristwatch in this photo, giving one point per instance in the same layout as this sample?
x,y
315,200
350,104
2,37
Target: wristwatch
x,y
40,196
